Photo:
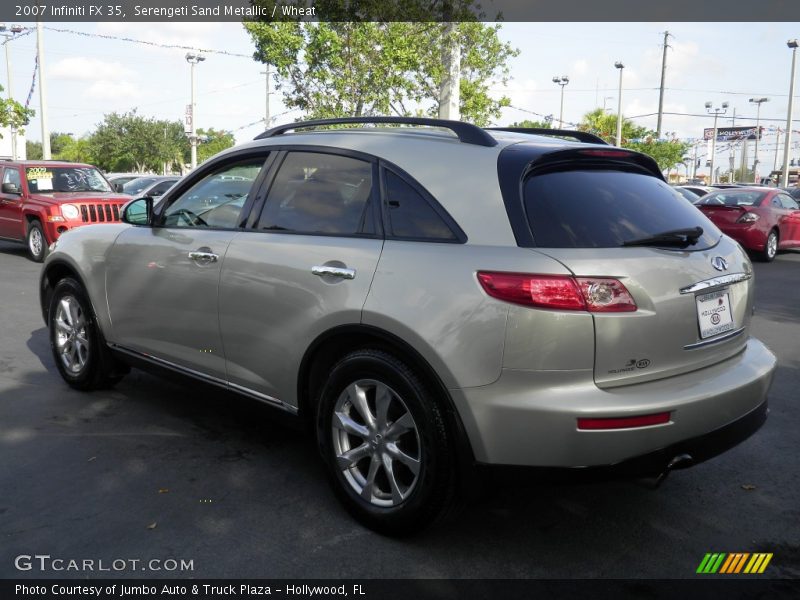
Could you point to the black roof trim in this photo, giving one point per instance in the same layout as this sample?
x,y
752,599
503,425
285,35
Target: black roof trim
x,y
581,136
466,132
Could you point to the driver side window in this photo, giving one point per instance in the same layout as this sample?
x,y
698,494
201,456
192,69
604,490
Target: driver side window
x,y
216,201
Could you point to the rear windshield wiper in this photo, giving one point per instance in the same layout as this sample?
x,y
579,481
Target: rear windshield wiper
x,y
675,237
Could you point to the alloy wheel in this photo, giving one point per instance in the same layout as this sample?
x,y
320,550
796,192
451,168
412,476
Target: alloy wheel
x,y
72,344
376,443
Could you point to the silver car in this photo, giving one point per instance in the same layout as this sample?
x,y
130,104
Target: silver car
x,y
428,299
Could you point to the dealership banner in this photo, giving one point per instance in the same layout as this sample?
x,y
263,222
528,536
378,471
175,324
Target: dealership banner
x,y
725,134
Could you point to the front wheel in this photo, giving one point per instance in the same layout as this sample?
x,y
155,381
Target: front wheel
x,y
78,346
383,437
770,247
37,245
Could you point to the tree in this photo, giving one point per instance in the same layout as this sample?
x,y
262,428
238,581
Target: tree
x,y
338,69
528,124
129,142
33,150
213,141
13,114
667,153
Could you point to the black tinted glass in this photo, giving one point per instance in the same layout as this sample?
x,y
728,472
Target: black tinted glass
x,y
320,193
410,215
732,198
605,209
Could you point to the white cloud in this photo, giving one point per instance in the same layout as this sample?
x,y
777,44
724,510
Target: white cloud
x,y
112,89
195,35
579,67
91,69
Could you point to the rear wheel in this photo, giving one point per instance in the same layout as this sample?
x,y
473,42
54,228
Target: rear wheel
x,y
78,346
384,440
770,247
37,245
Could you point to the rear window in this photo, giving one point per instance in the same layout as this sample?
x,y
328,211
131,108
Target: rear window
x,y
606,208
732,198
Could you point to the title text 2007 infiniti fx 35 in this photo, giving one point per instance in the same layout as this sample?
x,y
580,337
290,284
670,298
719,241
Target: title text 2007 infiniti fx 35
x,y
426,298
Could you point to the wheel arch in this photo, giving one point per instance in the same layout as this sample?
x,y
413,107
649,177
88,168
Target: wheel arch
x,y
54,272
335,343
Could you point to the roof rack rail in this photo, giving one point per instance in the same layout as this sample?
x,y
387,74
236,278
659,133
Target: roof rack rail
x,y
466,132
581,136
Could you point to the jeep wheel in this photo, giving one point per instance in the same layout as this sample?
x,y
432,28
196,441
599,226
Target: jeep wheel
x,y
37,245
383,437
79,349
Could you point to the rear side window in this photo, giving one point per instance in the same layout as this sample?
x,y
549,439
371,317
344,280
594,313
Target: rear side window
x,y
605,209
320,194
411,216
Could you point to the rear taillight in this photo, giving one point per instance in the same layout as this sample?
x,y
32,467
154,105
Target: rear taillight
x,y
748,217
559,292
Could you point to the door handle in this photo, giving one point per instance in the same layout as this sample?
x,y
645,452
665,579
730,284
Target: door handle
x,y
341,272
203,256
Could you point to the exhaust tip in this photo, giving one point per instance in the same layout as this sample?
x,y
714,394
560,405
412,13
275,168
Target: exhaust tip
x,y
680,461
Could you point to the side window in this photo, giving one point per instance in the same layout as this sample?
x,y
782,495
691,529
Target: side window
x,y
11,175
320,193
788,202
776,202
217,199
410,215
158,190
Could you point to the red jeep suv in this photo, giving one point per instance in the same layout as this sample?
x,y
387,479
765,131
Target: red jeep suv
x,y
40,200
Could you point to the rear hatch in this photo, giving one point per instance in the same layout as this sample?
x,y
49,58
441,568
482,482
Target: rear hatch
x,y
605,215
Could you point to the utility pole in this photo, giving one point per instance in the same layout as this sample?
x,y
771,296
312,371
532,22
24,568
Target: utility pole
x,y
716,111
266,112
42,93
663,78
450,90
758,102
619,66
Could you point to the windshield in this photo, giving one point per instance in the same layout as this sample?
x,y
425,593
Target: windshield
x,y
49,179
137,185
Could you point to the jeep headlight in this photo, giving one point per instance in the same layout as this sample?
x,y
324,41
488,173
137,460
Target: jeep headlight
x,y
70,211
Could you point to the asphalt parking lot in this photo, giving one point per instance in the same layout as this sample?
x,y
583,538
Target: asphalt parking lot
x,y
158,470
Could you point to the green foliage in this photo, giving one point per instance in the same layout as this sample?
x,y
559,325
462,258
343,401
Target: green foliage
x,y
13,114
342,69
33,150
527,123
667,153
129,142
217,142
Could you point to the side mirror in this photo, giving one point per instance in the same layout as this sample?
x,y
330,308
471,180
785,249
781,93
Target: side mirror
x,y
11,188
138,212
117,187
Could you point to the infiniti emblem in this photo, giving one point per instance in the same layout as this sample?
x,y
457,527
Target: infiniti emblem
x,y
719,263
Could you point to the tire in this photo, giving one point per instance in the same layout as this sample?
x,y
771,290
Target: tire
x,y
408,439
37,243
770,247
79,349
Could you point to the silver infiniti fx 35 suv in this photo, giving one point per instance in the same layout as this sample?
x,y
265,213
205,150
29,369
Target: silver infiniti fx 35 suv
x,y
429,298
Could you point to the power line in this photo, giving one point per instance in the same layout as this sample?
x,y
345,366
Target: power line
x,y
148,43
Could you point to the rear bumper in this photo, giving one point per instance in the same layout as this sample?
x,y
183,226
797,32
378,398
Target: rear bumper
x,y
751,237
529,418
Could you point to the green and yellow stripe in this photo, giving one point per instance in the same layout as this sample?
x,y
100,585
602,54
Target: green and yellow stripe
x,y
734,562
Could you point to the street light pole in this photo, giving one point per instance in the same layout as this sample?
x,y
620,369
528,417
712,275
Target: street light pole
x,y
562,81
716,112
619,66
785,169
193,59
42,93
758,102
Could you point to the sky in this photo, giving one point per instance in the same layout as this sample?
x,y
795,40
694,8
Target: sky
x,y
90,75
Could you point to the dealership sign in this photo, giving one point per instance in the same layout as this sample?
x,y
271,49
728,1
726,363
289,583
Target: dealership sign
x,y
725,134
